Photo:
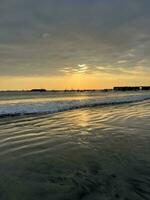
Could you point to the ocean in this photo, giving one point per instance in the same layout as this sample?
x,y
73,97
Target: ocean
x,y
75,145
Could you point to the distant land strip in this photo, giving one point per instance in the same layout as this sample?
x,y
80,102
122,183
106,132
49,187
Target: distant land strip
x,y
120,88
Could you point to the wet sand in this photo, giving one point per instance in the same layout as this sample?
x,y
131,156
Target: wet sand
x,y
89,154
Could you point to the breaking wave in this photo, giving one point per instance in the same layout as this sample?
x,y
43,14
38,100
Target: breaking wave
x,y
26,108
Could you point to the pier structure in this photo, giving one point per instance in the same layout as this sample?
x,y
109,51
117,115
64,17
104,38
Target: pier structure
x,y
130,88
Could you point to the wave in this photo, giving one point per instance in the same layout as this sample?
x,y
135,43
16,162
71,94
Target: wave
x,y
64,105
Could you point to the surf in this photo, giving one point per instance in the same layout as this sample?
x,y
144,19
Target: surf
x,y
26,108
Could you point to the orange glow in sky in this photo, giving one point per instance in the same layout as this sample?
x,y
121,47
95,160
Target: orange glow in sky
x,y
78,80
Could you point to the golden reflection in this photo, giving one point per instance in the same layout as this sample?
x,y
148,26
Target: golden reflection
x,y
82,118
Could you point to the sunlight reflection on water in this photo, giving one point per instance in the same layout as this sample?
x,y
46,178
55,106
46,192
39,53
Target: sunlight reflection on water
x,y
92,153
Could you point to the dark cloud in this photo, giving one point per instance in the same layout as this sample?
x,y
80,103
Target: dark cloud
x,y
43,37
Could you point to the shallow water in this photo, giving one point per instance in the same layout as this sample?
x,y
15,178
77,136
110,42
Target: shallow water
x,y
90,153
25,103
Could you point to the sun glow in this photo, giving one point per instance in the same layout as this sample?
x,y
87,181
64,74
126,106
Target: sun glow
x,y
79,77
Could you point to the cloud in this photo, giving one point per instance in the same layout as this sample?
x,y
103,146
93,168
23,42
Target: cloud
x,y
41,37
122,61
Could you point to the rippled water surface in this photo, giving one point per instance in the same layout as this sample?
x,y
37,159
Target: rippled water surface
x,y
93,153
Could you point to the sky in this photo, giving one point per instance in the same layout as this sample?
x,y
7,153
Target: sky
x,y
74,44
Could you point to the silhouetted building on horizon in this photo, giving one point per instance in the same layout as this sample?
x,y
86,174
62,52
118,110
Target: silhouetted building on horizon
x,y
38,90
145,88
130,88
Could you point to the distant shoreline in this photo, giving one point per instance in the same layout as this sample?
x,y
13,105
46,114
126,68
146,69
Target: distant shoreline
x,y
119,88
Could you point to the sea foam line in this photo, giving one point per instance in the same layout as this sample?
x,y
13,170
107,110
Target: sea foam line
x,y
59,106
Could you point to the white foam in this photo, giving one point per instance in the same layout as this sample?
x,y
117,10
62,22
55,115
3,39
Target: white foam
x,y
58,106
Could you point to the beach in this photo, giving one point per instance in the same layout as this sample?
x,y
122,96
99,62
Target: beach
x,y
87,146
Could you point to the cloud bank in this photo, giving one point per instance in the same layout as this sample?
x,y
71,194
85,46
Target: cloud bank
x,y
52,37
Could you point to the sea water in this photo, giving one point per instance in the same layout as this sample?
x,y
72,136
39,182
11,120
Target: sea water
x,y
72,146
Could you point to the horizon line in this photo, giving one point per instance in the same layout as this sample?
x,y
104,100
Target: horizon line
x,y
49,90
